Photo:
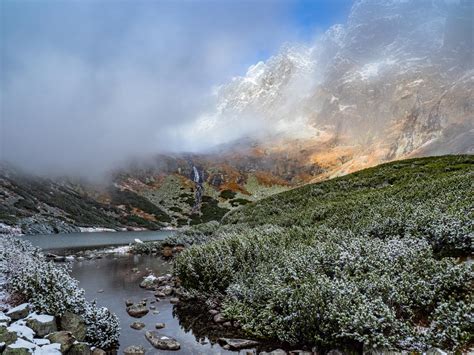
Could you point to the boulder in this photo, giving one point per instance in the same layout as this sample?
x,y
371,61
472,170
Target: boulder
x,y
79,348
134,350
137,325
7,336
159,294
48,349
275,352
160,325
129,303
65,338
174,300
148,282
42,324
219,318
20,347
98,351
75,324
162,342
137,310
237,344
19,312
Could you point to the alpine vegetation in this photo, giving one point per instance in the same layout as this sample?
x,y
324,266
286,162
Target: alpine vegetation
x,y
51,290
369,259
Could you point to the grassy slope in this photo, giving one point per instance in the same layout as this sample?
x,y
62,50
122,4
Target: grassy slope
x,y
442,185
353,259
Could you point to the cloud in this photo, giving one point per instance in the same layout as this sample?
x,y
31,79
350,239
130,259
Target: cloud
x,y
87,84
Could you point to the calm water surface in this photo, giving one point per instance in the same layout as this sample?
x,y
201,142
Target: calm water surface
x,y
111,281
92,240
114,276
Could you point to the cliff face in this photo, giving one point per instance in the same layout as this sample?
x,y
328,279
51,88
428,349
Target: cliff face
x,y
395,81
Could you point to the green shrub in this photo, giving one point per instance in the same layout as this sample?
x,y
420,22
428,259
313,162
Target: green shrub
x,y
361,258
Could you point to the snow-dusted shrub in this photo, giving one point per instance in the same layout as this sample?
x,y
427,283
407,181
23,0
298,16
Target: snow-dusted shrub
x,y
50,289
324,285
103,327
453,323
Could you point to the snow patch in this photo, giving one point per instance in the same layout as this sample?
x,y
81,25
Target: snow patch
x,y
42,318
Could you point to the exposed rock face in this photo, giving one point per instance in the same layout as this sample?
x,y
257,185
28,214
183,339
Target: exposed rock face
x,y
162,342
395,81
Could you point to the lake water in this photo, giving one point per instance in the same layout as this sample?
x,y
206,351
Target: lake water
x,y
114,276
93,239
111,281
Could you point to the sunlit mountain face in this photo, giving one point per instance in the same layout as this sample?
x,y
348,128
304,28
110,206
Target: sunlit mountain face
x,y
395,81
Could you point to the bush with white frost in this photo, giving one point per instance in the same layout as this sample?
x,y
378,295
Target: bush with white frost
x,y
51,290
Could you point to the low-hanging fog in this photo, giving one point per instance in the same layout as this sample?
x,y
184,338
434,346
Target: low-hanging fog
x,y
87,84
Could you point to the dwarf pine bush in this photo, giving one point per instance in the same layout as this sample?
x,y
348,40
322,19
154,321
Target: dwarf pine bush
x,y
50,289
363,258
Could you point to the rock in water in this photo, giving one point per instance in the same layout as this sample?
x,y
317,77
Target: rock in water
x,y
75,324
160,325
42,324
137,325
19,312
162,342
137,310
64,338
134,350
80,349
237,344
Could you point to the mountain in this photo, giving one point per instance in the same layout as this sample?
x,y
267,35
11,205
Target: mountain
x,y
396,81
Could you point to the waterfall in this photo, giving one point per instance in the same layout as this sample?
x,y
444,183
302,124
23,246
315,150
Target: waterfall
x,y
198,180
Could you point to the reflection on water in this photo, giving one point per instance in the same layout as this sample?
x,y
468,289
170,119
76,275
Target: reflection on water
x,y
114,278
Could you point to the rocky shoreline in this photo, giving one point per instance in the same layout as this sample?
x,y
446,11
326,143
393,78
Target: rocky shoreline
x,y
23,331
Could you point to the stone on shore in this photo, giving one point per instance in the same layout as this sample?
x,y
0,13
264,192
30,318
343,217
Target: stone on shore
x,y
42,324
20,347
162,342
65,338
75,324
219,318
19,312
237,344
6,336
79,349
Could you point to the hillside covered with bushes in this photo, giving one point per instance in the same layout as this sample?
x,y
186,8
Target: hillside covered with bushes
x,y
371,259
